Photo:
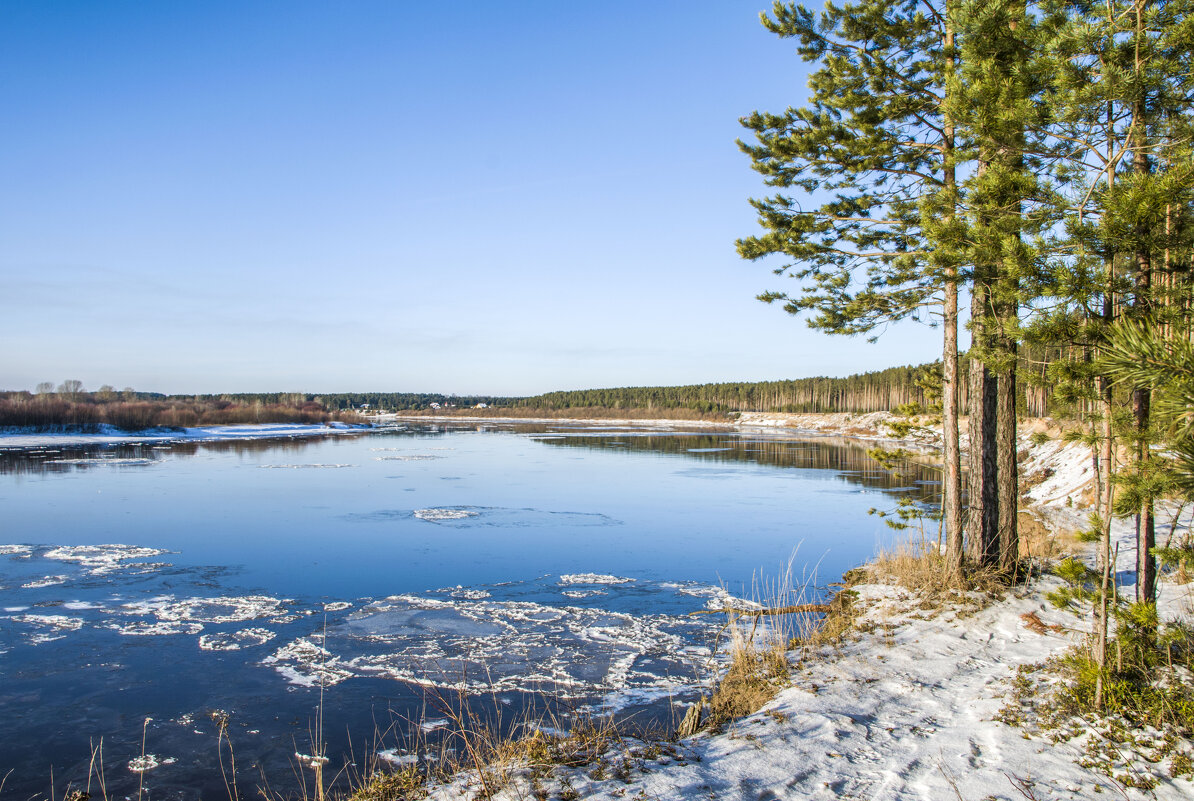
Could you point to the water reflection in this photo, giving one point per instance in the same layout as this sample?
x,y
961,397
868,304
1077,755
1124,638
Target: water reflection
x,y
848,459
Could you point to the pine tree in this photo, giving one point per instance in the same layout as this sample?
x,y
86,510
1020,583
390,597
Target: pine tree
x,y
877,139
1124,94
998,103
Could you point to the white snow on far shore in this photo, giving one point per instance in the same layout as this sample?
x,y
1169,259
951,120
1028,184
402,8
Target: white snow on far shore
x,y
107,435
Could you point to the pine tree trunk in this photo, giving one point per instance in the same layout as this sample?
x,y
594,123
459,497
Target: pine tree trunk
x,y
983,518
1105,504
1146,528
952,512
1146,534
1006,472
949,415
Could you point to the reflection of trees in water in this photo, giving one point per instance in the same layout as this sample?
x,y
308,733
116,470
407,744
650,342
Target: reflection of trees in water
x,y
846,458
53,458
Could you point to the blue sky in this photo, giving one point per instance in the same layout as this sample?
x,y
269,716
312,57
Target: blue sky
x,y
475,197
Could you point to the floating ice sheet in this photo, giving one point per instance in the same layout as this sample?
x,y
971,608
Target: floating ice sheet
x,y
44,581
592,578
234,641
147,762
578,594
307,664
156,628
48,627
301,466
465,593
101,559
102,460
233,609
19,551
480,645
495,516
435,515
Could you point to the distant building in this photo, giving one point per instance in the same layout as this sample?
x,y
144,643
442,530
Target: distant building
x,y
481,406
435,406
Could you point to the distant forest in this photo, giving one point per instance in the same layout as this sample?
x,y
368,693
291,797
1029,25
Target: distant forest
x,y
863,392
882,390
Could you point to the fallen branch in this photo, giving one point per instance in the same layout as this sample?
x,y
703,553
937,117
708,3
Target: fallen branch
x,y
781,610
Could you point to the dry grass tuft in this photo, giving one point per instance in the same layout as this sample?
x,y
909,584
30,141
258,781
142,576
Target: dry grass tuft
x,y
490,756
752,680
761,634
921,568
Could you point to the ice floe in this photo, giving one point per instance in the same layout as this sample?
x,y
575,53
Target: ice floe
x,y
50,627
497,645
578,594
301,466
337,606
234,641
410,457
232,609
490,516
148,762
455,513
44,581
101,559
392,756
592,578
157,628
465,593
309,761
80,606
19,551
307,664
60,622
93,460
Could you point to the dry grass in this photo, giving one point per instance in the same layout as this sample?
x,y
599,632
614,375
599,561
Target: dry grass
x,y
921,568
762,632
485,756
1043,544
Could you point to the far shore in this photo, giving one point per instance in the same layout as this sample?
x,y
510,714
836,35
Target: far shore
x,y
24,439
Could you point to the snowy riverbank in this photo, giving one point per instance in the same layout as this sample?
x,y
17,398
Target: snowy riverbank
x,y
907,707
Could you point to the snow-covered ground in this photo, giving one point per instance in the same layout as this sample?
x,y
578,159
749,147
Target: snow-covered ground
x,y
907,708
107,435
